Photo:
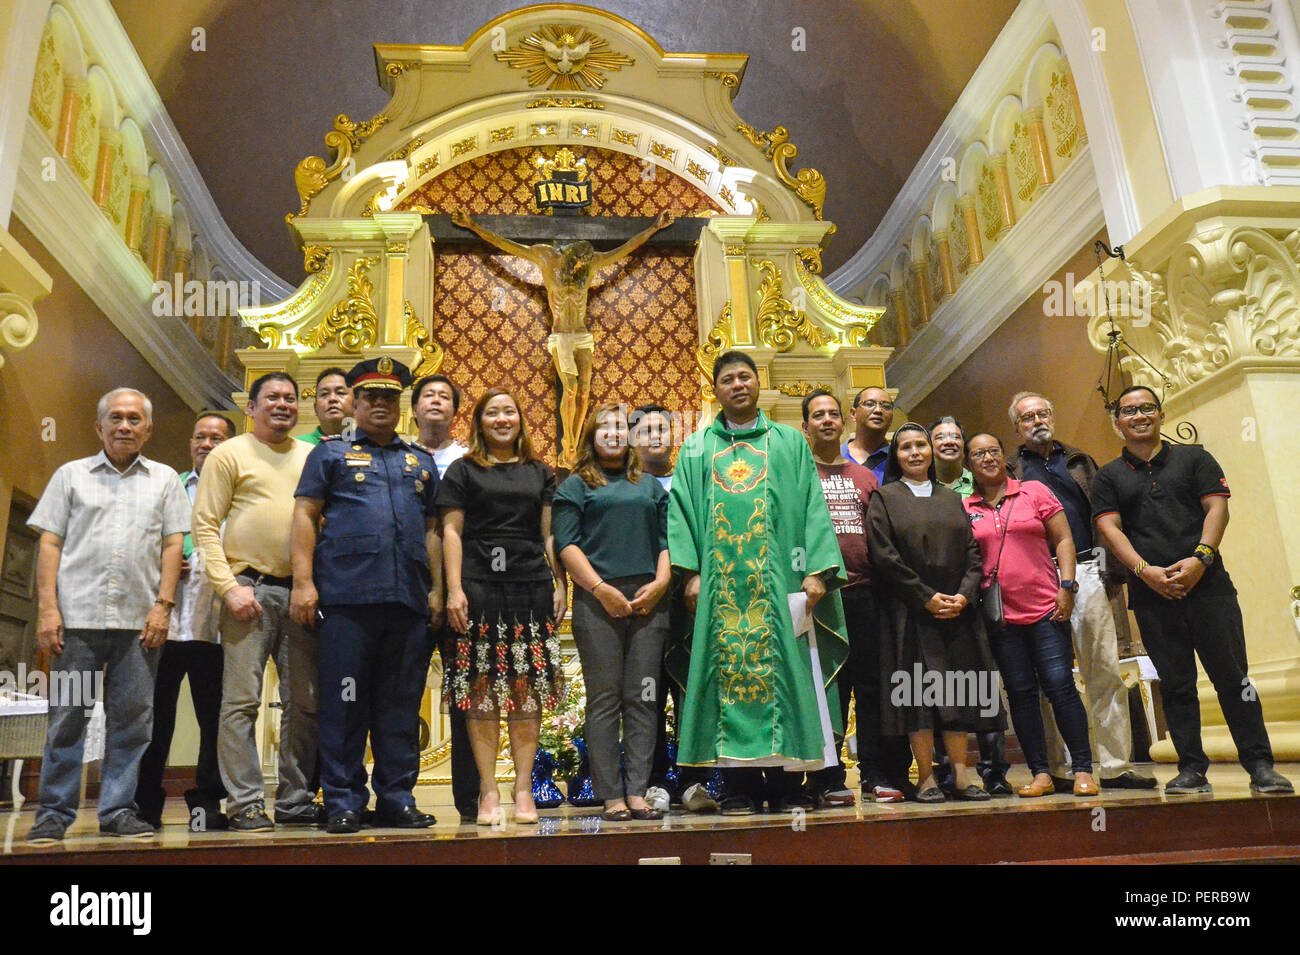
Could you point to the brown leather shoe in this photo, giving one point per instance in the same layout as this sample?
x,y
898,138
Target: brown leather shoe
x,y
1085,787
1035,789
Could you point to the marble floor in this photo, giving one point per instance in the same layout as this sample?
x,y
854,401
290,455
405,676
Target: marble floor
x,y
1230,783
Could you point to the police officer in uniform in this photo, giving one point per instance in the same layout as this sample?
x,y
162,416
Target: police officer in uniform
x,y
367,572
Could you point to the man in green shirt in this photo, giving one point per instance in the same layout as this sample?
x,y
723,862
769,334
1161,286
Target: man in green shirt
x,y
748,527
333,404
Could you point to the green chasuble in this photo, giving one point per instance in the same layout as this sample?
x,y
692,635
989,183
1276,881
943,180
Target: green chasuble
x,y
746,512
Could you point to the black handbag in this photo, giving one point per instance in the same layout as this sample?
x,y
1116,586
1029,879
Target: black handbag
x,y
991,601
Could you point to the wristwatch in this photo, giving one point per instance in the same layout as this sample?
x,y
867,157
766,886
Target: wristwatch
x,y
1205,554
1071,585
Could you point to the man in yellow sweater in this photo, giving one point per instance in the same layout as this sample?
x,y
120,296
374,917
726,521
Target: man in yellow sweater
x,y
248,483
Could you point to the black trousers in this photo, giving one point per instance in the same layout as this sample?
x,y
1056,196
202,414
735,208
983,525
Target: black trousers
x,y
1175,633
686,775
372,662
202,663
771,783
464,772
881,759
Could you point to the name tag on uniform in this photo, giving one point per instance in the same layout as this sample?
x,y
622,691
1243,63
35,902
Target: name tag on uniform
x,y
357,459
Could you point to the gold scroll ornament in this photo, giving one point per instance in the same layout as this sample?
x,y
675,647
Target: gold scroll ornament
x,y
353,322
715,343
313,174
417,336
808,184
779,322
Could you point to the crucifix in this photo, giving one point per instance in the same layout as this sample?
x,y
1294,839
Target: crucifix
x,y
567,270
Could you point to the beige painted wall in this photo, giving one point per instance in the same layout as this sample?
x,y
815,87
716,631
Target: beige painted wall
x,y
77,356
1031,351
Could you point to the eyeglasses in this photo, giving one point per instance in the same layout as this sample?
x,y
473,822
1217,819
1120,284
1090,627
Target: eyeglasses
x,y
871,404
1029,416
982,453
1128,411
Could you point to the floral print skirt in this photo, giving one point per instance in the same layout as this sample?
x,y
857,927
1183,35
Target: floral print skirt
x,y
508,662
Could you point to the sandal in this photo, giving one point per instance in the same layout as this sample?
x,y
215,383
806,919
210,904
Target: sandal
x,y
972,793
527,817
495,817
932,794
649,812
616,815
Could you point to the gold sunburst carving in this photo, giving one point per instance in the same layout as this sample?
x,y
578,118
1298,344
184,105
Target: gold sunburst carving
x,y
564,58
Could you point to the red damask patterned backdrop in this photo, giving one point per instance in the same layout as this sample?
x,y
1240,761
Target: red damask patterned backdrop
x,y
490,311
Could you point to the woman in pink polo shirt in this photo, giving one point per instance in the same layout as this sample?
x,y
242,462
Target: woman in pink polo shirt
x,y
1018,525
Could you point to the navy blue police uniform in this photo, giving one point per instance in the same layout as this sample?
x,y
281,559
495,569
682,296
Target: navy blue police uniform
x,y
371,572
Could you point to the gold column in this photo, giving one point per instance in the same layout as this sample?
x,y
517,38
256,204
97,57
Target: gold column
x,y
967,206
162,225
898,301
1078,111
110,140
181,259
945,263
224,349
135,214
74,94
1003,181
920,269
741,326
394,322
1038,139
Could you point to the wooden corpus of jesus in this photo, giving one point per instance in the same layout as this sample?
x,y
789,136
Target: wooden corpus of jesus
x,y
567,270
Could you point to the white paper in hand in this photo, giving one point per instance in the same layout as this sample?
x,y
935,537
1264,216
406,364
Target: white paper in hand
x,y
799,615
803,627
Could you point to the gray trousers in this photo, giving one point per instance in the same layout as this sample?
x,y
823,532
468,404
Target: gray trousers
x,y
245,650
621,664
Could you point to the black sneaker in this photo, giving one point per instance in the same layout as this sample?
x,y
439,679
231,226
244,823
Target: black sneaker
x,y
47,833
1188,782
251,819
127,825
995,784
835,799
793,803
1265,779
312,814
1130,780
737,806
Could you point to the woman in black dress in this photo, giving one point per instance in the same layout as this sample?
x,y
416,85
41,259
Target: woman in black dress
x,y
505,596
939,674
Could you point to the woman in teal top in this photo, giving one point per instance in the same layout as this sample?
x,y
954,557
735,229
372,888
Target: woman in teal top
x,y
611,531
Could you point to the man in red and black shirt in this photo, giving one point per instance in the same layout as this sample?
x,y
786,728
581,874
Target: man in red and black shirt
x,y
1162,510
847,485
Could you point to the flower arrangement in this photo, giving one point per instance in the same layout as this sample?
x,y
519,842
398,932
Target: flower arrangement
x,y
566,721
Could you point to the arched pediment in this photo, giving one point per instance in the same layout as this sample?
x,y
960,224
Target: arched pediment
x,y
518,82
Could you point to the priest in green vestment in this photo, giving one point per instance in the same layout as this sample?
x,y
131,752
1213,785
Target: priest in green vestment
x,y
747,527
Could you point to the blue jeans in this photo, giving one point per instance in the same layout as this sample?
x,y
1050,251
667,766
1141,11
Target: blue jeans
x,y
1040,653
128,710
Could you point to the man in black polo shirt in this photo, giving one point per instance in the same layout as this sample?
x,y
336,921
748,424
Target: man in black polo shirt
x,y
1094,624
1162,510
